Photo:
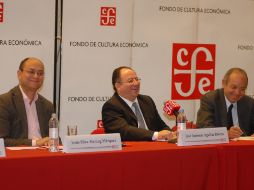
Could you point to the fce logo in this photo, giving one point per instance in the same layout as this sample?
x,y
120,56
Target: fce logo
x,y
193,67
1,11
108,16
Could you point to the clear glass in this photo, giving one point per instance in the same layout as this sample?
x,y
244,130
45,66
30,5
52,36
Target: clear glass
x,y
72,130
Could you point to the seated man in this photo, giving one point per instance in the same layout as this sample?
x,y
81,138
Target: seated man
x,y
24,114
131,114
229,106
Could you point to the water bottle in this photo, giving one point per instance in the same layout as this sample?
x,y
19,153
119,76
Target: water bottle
x,y
53,134
181,120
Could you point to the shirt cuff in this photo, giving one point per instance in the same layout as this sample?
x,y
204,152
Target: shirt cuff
x,y
155,136
33,142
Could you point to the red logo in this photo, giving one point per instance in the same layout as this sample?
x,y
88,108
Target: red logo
x,y
1,11
99,124
193,67
108,16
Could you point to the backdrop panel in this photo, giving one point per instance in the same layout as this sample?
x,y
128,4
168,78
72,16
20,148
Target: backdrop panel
x,y
222,28
161,24
27,30
94,43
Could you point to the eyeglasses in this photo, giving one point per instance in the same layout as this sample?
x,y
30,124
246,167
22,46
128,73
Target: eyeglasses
x,y
131,80
33,72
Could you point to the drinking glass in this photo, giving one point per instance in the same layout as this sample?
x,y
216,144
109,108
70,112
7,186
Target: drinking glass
x,y
72,130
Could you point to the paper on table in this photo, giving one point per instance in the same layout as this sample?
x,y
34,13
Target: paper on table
x,y
248,138
22,148
30,147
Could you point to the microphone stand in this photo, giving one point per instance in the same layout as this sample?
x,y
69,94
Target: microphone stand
x,y
176,114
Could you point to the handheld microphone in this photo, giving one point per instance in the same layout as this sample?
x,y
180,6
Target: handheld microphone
x,y
171,107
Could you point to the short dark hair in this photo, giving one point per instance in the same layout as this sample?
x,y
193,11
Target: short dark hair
x,y
22,63
235,70
117,75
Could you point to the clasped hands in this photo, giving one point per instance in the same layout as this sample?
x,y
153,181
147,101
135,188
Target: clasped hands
x,y
42,142
235,132
166,135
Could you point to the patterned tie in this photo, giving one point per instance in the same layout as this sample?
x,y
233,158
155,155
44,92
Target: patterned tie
x,y
139,116
229,117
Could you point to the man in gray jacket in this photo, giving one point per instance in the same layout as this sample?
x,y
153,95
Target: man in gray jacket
x,y
229,106
24,114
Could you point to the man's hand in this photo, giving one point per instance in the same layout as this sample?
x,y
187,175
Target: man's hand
x,y
166,135
234,132
42,142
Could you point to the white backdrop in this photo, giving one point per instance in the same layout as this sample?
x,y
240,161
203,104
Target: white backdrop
x,y
145,34
87,62
27,30
227,24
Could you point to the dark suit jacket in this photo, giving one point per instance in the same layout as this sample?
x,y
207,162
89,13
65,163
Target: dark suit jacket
x,y
118,117
13,119
213,111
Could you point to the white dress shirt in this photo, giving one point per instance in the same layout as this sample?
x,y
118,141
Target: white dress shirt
x,y
34,132
234,111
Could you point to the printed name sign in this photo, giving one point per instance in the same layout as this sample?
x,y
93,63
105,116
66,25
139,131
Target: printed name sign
x,y
202,136
92,143
2,148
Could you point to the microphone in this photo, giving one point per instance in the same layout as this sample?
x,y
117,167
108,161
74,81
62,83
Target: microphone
x,y
171,107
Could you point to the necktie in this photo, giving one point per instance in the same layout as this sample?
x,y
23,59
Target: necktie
x,y
139,116
229,117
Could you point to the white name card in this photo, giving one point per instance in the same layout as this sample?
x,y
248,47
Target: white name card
x,y
92,143
2,148
217,135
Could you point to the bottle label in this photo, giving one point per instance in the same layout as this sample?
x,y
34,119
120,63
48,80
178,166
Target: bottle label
x,y
53,133
181,126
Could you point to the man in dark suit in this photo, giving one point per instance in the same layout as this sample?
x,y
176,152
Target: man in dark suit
x,y
24,114
140,123
229,106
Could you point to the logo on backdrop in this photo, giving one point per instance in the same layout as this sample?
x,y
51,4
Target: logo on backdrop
x,y
193,67
108,16
1,11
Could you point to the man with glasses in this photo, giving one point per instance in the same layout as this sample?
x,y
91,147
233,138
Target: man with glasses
x,y
229,106
24,114
131,114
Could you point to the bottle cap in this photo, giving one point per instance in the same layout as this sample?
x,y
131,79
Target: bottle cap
x,y
181,110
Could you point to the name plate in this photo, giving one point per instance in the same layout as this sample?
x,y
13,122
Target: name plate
x,y
92,143
202,136
2,148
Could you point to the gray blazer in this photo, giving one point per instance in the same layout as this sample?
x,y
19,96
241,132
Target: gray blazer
x,y
213,111
13,119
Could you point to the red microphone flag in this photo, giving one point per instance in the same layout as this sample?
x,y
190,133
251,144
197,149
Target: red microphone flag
x,y
170,107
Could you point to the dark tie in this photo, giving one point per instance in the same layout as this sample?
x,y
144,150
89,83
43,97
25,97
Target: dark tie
x,y
229,117
139,116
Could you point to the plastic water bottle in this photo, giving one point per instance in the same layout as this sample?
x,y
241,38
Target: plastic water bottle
x,y
181,120
53,134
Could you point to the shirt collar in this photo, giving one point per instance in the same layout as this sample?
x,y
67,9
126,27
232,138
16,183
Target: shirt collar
x,y
25,97
128,101
228,103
